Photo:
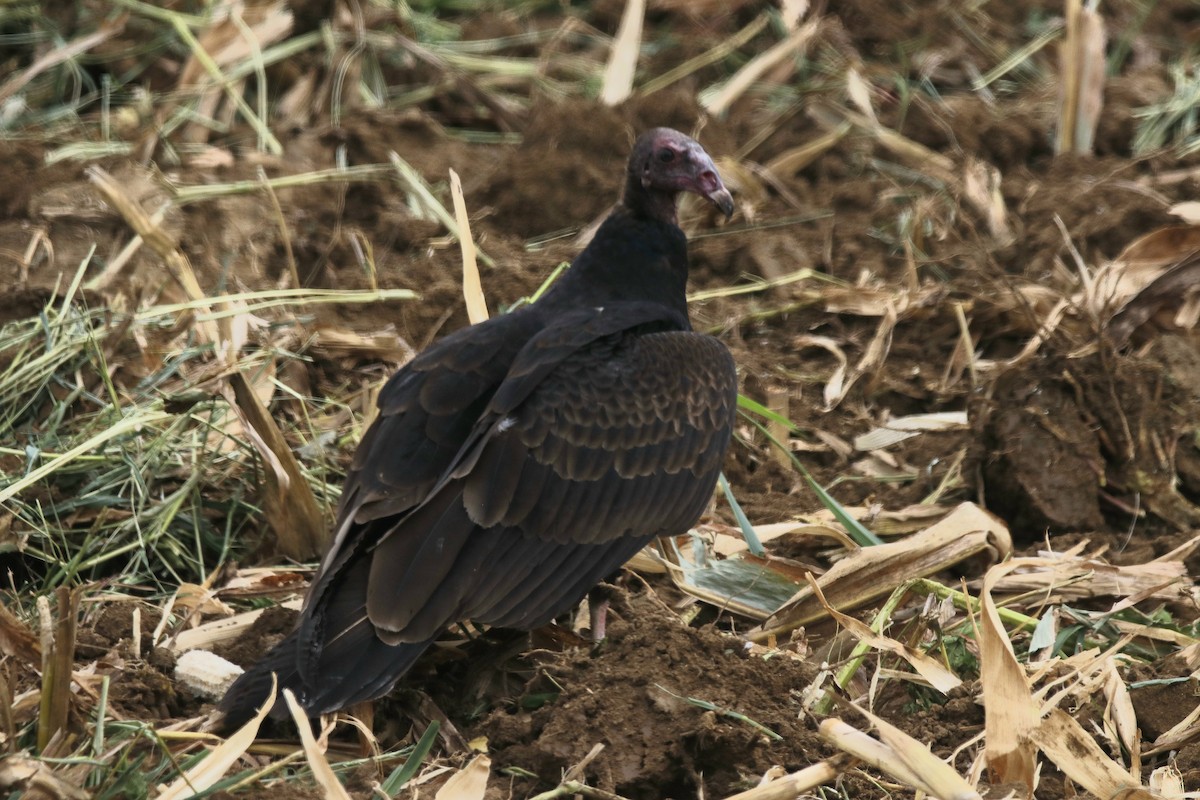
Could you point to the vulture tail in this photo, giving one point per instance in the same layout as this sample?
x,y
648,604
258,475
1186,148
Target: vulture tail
x,y
366,670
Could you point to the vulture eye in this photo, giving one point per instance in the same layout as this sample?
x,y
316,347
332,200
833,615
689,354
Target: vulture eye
x,y
666,155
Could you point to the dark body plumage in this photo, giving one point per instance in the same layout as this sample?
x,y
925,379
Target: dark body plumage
x,y
516,463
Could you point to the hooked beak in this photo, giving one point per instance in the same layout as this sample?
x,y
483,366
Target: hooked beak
x,y
723,200
707,183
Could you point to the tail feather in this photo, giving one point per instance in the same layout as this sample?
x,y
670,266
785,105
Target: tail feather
x,y
248,693
357,667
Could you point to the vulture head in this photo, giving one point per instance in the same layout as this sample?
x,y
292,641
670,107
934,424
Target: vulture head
x,y
664,163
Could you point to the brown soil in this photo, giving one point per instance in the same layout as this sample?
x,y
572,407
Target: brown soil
x,y
1062,445
633,697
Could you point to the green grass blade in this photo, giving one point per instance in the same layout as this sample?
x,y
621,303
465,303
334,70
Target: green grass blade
x,y
748,532
408,770
858,532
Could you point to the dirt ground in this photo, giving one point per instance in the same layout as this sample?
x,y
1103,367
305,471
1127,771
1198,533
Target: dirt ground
x,y
1082,440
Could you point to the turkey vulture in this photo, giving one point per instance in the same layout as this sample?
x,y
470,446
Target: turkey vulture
x,y
516,463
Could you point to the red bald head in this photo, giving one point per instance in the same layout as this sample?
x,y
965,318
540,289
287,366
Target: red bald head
x,y
664,163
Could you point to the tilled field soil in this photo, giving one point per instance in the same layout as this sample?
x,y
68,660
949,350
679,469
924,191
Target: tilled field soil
x,y
982,235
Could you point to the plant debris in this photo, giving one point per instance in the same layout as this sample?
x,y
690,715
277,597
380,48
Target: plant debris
x,y
960,289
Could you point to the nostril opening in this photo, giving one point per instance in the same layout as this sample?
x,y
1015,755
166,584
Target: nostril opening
x,y
708,180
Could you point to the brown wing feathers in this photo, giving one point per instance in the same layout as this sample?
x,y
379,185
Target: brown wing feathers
x,y
566,492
